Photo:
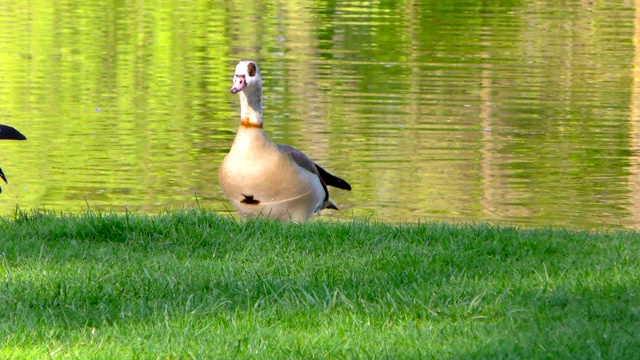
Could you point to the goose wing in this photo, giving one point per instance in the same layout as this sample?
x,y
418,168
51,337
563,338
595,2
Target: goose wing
x,y
332,180
10,133
303,161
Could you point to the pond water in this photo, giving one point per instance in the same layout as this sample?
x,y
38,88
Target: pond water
x,y
515,112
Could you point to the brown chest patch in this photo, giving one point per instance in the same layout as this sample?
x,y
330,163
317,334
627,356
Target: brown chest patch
x,y
249,200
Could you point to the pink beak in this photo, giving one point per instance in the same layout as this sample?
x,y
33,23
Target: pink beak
x,y
239,83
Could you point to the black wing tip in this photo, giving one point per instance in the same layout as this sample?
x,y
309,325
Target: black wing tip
x,y
332,206
10,133
332,180
339,183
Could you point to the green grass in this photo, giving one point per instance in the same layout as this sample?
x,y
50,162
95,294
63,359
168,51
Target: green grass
x,y
193,284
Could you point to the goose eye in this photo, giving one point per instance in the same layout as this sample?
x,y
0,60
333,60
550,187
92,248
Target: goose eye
x,y
252,69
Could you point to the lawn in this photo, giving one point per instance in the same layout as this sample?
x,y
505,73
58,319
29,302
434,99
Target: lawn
x,y
195,284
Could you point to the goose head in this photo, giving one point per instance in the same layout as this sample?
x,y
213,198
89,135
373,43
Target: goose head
x,y
247,78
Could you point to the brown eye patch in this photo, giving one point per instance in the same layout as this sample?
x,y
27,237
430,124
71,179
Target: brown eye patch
x,y
252,69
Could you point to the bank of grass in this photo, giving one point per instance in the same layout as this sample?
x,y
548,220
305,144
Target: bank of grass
x,y
193,284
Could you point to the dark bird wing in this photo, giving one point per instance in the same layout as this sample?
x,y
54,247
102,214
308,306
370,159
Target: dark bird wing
x,y
332,180
10,133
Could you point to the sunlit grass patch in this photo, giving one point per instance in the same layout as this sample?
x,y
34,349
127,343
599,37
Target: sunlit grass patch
x,y
196,284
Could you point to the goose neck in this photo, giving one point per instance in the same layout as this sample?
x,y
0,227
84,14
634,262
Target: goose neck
x,y
251,109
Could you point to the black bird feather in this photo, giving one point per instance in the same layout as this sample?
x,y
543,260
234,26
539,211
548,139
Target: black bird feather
x,y
9,133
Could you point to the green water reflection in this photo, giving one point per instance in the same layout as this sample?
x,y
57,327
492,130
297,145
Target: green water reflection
x,y
521,112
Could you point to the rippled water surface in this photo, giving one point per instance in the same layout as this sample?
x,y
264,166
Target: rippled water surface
x,y
526,112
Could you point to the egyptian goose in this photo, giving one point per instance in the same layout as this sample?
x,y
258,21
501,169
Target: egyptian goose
x,y
261,178
9,133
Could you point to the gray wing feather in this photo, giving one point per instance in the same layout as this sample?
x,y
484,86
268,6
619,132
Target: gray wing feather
x,y
304,162
299,158
325,177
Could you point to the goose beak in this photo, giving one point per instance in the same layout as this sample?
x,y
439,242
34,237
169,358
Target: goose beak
x,y
239,83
